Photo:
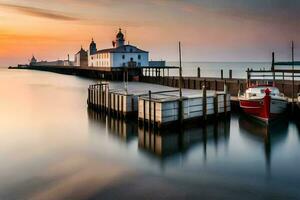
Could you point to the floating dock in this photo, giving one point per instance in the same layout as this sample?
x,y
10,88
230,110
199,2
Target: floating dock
x,y
160,106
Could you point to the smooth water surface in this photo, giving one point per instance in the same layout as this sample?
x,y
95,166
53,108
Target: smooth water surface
x,y
52,147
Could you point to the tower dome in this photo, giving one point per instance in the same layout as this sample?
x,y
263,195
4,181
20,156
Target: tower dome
x,y
120,35
120,38
93,47
33,60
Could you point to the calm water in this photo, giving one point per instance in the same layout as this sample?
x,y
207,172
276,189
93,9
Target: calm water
x,y
52,147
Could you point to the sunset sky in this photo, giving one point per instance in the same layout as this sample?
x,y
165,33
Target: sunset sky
x,y
210,30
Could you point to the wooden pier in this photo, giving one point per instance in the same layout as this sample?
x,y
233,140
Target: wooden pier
x,y
159,108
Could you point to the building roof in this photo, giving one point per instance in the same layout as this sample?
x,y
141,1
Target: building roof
x,y
122,49
82,51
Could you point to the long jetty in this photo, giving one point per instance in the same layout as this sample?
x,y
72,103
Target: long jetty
x,y
161,75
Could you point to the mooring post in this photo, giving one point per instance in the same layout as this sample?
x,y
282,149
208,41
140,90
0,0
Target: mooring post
x,y
154,115
198,72
149,121
273,68
99,96
94,97
102,97
118,106
180,117
225,98
204,105
222,74
144,120
230,74
293,76
248,77
88,100
121,105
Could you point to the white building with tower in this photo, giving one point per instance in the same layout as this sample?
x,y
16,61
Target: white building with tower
x,y
121,55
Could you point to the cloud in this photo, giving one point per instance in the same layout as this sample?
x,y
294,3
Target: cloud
x,y
38,12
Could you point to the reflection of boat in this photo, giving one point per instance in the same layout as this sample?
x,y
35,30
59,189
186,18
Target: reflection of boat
x,y
269,135
263,102
261,130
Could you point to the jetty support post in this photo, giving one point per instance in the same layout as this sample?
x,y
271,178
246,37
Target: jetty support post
x,y
198,72
293,76
89,96
99,96
204,104
180,105
273,68
248,77
222,75
149,118
94,96
230,74
225,98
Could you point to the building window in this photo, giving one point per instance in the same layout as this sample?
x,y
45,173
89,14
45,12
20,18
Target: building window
x,y
123,56
131,50
139,57
139,64
131,59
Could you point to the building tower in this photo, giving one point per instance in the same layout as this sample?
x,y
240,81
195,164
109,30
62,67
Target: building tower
x,y
93,48
120,39
33,60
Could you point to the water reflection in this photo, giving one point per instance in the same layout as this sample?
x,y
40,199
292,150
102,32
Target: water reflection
x,y
166,143
126,130
269,135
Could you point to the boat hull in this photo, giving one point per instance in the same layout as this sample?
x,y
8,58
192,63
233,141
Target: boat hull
x,y
264,109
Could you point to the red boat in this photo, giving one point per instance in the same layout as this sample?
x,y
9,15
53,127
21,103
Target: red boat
x,y
263,102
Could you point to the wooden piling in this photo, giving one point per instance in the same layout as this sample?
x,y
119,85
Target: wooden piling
x,y
180,106
248,77
204,104
144,110
198,72
149,121
154,115
225,98
273,68
222,74
230,74
293,77
89,96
